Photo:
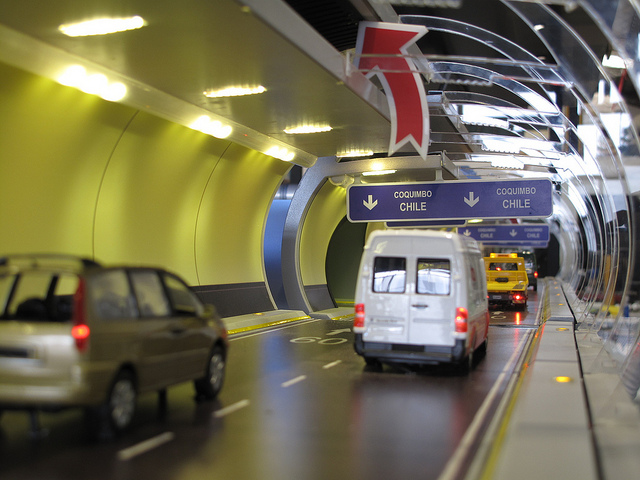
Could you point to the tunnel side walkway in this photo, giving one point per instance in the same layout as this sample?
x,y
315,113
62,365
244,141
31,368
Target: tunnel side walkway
x,y
243,324
561,422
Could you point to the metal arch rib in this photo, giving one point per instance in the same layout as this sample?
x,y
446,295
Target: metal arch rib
x,y
310,185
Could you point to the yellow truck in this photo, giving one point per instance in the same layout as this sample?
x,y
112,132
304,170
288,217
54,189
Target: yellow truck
x,y
507,280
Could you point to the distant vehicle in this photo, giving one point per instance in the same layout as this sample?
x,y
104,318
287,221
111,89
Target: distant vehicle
x,y
421,298
531,266
77,334
507,280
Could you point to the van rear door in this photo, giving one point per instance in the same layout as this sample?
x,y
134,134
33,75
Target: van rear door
x,y
387,302
432,305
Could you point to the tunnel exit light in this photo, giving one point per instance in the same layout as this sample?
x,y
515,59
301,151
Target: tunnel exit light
x,y
102,26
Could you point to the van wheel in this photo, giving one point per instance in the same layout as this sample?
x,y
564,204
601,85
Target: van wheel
x,y
373,363
466,366
482,349
209,386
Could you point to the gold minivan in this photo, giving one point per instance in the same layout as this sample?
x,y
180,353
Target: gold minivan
x,y
74,333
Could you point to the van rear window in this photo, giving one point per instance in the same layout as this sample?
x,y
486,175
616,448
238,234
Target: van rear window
x,y
434,276
389,274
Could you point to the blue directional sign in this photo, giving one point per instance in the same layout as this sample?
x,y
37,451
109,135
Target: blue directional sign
x,y
511,234
427,223
449,200
518,245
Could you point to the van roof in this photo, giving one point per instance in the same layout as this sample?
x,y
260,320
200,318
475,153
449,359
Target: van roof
x,y
405,240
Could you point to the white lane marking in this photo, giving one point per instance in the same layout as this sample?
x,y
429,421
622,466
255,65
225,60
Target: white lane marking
x,y
231,408
143,447
332,364
293,381
342,330
455,462
271,330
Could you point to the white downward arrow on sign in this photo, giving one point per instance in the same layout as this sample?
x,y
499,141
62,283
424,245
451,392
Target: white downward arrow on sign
x,y
371,203
472,200
513,233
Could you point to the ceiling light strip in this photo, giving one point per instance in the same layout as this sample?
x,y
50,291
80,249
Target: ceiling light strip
x,y
102,26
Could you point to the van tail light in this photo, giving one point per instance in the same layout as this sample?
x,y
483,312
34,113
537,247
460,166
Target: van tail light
x,y
80,330
358,320
462,315
535,274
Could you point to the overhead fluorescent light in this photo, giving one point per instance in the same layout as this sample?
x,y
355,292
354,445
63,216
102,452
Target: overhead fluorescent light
x,y
423,3
378,172
234,92
281,153
215,128
355,153
102,26
308,129
94,84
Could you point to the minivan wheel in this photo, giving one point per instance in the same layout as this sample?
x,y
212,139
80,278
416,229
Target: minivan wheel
x,y
210,385
115,415
121,403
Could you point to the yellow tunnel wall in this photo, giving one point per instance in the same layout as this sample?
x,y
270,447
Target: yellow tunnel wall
x,y
327,210
84,176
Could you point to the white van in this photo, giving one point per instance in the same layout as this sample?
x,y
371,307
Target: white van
x,y
421,298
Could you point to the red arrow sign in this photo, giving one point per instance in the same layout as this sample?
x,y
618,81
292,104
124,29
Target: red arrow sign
x,y
381,50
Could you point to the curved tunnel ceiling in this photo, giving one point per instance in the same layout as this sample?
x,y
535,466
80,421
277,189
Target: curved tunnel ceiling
x,y
517,89
185,50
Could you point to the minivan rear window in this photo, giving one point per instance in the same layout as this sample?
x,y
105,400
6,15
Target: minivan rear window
x,y
37,295
434,276
389,274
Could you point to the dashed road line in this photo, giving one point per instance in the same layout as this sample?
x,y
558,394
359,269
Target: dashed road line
x,y
293,381
143,447
332,364
231,408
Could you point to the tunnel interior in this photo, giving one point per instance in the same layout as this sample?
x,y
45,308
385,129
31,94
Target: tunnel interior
x,y
256,220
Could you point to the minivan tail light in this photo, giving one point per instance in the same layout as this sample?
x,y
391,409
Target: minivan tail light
x,y
461,320
358,320
80,333
80,330
535,274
